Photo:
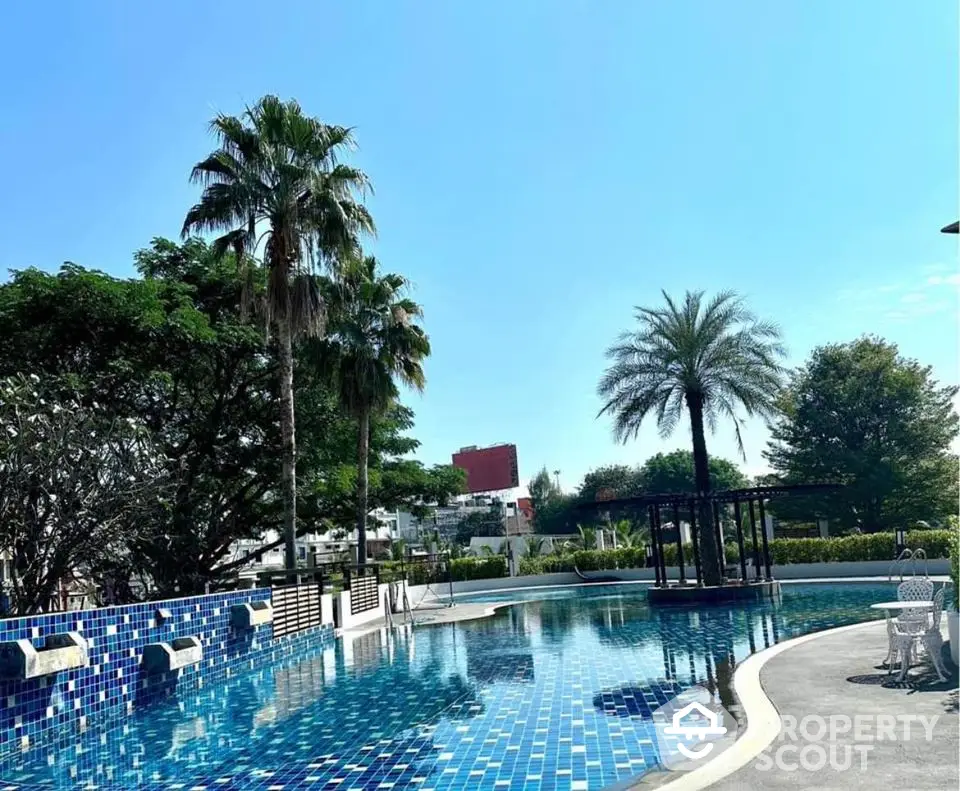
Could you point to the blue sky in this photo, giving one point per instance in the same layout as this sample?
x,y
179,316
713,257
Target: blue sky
x,y
539,170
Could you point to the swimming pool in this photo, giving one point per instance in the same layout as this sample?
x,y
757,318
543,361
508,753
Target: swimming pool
x,y
551,693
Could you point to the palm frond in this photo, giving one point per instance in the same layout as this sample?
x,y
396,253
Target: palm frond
x,y
276,168
368,351
713,351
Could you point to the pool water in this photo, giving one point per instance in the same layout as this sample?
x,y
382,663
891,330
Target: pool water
x,y
554,692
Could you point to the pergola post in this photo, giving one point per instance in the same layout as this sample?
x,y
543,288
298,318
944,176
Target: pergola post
x,y
676,524
718,530
743,556
660,552
695,539
766,545
700,505
756,544
653,544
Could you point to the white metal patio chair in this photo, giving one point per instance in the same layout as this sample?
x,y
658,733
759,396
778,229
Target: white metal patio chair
x,y
908,621
905,641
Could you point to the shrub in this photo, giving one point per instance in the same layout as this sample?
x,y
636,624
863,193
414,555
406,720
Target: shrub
x,y
955,566
478,568
783,551
875,546
936,543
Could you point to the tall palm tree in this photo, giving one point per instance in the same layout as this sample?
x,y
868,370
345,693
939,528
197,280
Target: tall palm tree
x,y
275,177
708,358
372,343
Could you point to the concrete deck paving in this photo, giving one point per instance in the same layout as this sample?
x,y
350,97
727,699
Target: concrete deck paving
x,y
841,675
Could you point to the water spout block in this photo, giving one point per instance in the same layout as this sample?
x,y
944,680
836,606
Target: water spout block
x,y
164,657
20,659
251,614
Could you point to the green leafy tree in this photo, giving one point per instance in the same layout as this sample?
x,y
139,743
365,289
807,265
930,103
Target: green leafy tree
x,y
75,486
559,516
553,511
372,343
674,473
480,523
622,480
706,358
170,352
863,415
278,172
543,491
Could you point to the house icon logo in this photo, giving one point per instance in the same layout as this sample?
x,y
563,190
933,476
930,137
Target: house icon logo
x,y
692,727
687,725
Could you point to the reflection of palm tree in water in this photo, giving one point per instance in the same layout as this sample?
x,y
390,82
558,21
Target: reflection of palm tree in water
x,y
556,620
709,634
725,665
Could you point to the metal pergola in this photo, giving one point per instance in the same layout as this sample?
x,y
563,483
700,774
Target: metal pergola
x,y
752,498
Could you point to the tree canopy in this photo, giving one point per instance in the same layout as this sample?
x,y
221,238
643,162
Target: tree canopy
x,y
669,473
78,488
863,415
619,479
172,351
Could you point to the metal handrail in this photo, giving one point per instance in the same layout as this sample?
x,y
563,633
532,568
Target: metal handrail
x,y
905,555
921,553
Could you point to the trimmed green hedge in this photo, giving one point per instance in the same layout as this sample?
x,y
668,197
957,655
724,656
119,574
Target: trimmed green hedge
x,y
955,566
585,560
783,551
462,569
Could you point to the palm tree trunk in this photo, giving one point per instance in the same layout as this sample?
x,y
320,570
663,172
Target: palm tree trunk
x,y
363,453
289,444
709,551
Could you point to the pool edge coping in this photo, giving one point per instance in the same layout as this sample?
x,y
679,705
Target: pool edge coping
x,y
763,719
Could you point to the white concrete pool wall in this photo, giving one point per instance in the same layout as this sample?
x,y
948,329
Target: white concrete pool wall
x,y
346,620
792,571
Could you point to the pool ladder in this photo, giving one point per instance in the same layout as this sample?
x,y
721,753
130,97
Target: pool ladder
x,y
908,555
407,612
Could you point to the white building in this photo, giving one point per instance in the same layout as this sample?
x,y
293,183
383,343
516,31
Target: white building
x,y
383,529
334,546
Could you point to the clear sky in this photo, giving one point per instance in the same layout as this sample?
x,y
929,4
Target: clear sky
x,y
540,168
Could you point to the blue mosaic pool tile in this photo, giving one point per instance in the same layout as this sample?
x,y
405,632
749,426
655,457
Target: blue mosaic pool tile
x,y
112,686
544,696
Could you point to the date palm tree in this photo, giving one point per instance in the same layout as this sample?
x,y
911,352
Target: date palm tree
x,y
708,358
275,183
372,343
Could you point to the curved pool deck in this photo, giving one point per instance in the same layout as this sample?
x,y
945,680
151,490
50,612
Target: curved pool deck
x,y
553,692
836,675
